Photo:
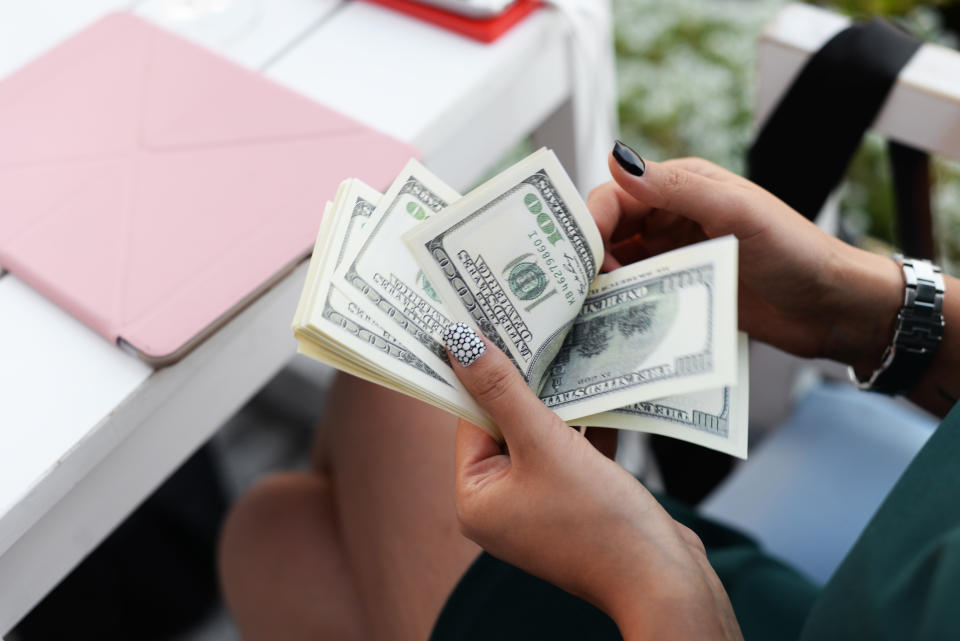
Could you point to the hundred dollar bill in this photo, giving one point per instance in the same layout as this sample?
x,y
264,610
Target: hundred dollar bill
x,y
308,293
333,328
664,326
650,346
514,258
714,418
385,280
361,204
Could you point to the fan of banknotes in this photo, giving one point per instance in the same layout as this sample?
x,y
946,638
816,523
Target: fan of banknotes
x,y
652,346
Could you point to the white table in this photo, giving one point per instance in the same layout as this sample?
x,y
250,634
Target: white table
x,y
87,431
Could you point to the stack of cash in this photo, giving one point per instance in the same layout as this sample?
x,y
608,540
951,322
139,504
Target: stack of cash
x,y
652,346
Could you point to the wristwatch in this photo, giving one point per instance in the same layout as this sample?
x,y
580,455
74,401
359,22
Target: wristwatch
x,y
918,332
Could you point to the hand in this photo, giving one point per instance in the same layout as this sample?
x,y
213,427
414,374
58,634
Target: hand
x,y
801,289
553,505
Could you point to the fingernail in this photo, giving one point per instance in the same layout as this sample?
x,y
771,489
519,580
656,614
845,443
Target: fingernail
x,y
463,343
629,159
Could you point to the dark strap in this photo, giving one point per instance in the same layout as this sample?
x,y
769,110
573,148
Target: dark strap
x,y
806,144
911,190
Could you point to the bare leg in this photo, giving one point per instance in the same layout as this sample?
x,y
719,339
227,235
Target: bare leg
x,y
369,547
391,461
282,568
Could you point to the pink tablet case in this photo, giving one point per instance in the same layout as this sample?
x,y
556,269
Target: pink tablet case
x,y
148,186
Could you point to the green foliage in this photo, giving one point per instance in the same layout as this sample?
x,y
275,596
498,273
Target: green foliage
x,y
882,7
685,70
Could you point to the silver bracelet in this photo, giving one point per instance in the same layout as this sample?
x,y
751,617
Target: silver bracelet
x,y
918,333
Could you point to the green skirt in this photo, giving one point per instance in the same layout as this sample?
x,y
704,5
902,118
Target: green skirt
x,y
495,600
901,579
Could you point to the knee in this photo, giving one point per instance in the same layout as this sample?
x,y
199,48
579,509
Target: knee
x,y
264,524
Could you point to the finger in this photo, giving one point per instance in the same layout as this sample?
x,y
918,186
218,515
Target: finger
x,y
497,386
707,169
605,209
713,204
610,262
478,462
617,213
477,455
631,250
662,232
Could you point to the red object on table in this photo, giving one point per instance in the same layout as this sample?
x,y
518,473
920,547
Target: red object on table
x,y
484,30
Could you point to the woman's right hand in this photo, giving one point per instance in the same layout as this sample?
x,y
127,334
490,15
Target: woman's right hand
x,y
553,505
801,289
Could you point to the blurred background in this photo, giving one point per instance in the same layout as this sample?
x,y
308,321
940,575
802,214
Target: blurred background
x,y
685,72
686,79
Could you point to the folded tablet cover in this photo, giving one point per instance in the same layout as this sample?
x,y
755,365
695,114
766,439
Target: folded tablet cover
x,y
147,185
482,29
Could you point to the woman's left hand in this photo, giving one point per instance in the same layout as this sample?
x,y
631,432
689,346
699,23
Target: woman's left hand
x,y
554,506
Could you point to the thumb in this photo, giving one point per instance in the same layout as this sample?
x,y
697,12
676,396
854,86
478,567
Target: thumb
x,y
498,387
671,187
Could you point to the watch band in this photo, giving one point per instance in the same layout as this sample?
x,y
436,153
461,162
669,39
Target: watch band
x,y
918,332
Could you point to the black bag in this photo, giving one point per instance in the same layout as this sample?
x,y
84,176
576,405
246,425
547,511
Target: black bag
x,y
805,146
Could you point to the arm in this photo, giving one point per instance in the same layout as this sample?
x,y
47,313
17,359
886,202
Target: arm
x,y
556,507
801,289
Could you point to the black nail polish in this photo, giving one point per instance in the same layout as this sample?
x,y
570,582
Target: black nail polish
x,y
629,159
